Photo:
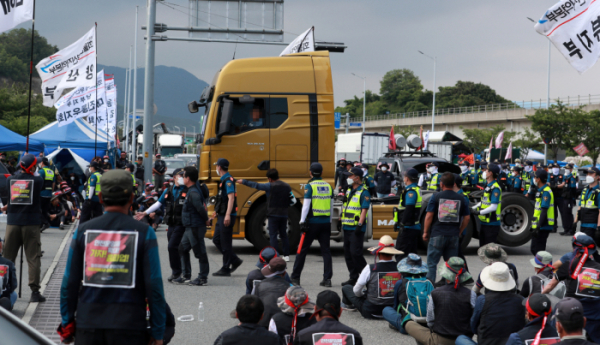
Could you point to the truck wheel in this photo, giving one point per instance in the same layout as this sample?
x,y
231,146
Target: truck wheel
x,y
258,233
516,219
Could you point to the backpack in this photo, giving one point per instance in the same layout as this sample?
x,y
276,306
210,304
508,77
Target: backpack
x,y
418,291
559,290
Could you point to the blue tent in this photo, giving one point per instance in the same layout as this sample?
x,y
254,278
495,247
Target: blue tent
x,y
11,141
79,134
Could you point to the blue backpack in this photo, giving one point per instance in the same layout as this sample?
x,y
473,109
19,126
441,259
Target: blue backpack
x,y
418,291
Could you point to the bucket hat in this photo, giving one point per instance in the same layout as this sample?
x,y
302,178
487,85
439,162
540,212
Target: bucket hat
x,y
412,264
497,277
491,253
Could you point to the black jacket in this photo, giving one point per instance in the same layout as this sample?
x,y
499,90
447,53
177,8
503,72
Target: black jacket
x,y
247,334
25,214
269,290
575,342
9,281
194,213
283,322
327,327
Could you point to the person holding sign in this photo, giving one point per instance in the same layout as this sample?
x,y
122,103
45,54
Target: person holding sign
x,y
113,275
538,328
544,213
379,279
24,217
447,217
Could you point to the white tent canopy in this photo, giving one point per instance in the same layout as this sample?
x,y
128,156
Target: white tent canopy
x,y
534,155
77,161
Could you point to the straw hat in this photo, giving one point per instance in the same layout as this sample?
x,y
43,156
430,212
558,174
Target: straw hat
x,y
386,246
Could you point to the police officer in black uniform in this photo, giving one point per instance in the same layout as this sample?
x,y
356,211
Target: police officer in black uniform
x,y
340,178
568,192
24,217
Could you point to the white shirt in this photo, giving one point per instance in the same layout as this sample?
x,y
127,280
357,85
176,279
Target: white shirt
x,y
363,279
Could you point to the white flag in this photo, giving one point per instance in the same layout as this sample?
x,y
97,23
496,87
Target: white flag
x,y
111,105
573,26
71,67
15,12
426,141
509,152
499,140
302,43
81,102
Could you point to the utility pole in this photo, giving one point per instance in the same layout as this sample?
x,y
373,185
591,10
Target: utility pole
x,y
127,89
134,107
364,100
149,91
434,58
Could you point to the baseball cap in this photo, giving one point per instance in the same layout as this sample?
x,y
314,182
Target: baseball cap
x,y
178,171
529,163
354,171
222,162
28,161
569,309
276,266
594,170
116,185
494,168
265,256
316,168
436,164
517,168
94,164
465,163
542,174
56,195
329,301
157,155
538,304
411,173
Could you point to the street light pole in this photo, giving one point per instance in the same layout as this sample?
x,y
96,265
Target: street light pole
x,y
434,75
126,108
364,100
134,106
148,148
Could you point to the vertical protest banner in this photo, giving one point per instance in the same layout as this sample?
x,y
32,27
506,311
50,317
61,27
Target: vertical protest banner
x,y
509,152
303,43
82,102
15,12
111,105
573,26
71,67
110,259
499,140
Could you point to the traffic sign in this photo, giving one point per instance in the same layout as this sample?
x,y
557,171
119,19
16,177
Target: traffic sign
x,y
337,120
355,124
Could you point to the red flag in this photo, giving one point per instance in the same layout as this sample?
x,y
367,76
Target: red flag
x,y
581,149
422,141
470,158
392,143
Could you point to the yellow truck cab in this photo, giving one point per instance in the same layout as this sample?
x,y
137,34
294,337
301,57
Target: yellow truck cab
x,y
261,113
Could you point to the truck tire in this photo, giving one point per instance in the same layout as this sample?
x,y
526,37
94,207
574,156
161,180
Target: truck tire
x,y
516,220
258,234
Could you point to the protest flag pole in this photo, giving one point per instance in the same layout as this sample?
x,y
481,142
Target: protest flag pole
x,y
30,82
96,119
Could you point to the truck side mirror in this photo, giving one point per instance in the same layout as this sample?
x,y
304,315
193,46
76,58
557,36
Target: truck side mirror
x,y
226,114
193,107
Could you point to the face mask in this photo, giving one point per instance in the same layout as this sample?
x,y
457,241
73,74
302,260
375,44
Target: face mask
x,y
350,181
180,181
528,168
484,175
589,179
567,172
218,172
384,169
155,198
364,171
106,161
518,165
464,169
431,170
555,171
170,183
72,178
514,173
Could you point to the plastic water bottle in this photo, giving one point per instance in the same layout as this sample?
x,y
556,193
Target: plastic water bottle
x,y
201,312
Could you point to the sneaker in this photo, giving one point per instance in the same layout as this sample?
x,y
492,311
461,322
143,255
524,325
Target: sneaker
x,y
181,280
564,233
37,297
61,226
326,283
44,227
221,273
286,258
348,307
236,265
198,282
296,282
349,282
172,277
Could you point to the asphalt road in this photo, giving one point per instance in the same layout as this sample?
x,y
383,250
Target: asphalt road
x,y
221,294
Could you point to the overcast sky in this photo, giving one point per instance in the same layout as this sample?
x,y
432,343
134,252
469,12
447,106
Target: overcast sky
x,y
490,42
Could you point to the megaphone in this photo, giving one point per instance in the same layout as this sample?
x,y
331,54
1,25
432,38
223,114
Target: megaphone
x,y
414,141
400,141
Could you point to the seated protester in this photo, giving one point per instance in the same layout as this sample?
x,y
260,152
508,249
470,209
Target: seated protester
x,y
8,282
542,264
499,312
264,257
489,254
413,271
328,328
271,288
153,219
73,201
382,273
56,211
249,310
582,267
449,309
539,311
296,314
570,322
67,206
570,255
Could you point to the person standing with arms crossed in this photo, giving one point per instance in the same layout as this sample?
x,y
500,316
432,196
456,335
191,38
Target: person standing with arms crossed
x,y
24,216
354,223
544,213
225,212
159,169
315,223
47,175
490,207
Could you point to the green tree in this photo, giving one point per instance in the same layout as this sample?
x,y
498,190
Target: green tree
x,y
528,140
478,139
17,43
405,130
399,87
466,94
13,110
559,125
590,130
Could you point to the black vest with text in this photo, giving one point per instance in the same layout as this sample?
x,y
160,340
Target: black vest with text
x,y
453,311
279,199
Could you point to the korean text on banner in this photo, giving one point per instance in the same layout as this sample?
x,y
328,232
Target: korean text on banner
x,y
15,12
111,105
573,26
82,102
581,149
499,140
71,67
303,43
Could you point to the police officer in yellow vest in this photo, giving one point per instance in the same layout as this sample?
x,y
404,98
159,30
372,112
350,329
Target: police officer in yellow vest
x,y
47,175
589,207
489,209
407,215
354,223
315,223
91,206
432,182
543,215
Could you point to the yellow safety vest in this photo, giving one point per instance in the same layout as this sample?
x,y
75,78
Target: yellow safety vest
x,y
526,181
48,178
486,202
433,183
402,206
321,198
352,208
97,187
538,207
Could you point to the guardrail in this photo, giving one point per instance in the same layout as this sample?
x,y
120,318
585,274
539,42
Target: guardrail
x,y
532,104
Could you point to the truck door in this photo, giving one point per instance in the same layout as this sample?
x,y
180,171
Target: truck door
x,y
246,144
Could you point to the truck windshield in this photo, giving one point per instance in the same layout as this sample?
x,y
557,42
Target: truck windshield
x,y
170,151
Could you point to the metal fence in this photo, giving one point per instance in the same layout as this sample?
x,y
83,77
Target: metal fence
x,y
532,104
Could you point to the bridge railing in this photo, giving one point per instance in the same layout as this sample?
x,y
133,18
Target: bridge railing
x,y
571,101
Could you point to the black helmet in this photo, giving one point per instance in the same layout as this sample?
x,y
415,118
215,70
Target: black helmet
x,y
28,162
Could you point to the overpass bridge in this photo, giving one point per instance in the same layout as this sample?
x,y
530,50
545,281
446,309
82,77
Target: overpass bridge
x,y
511,115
